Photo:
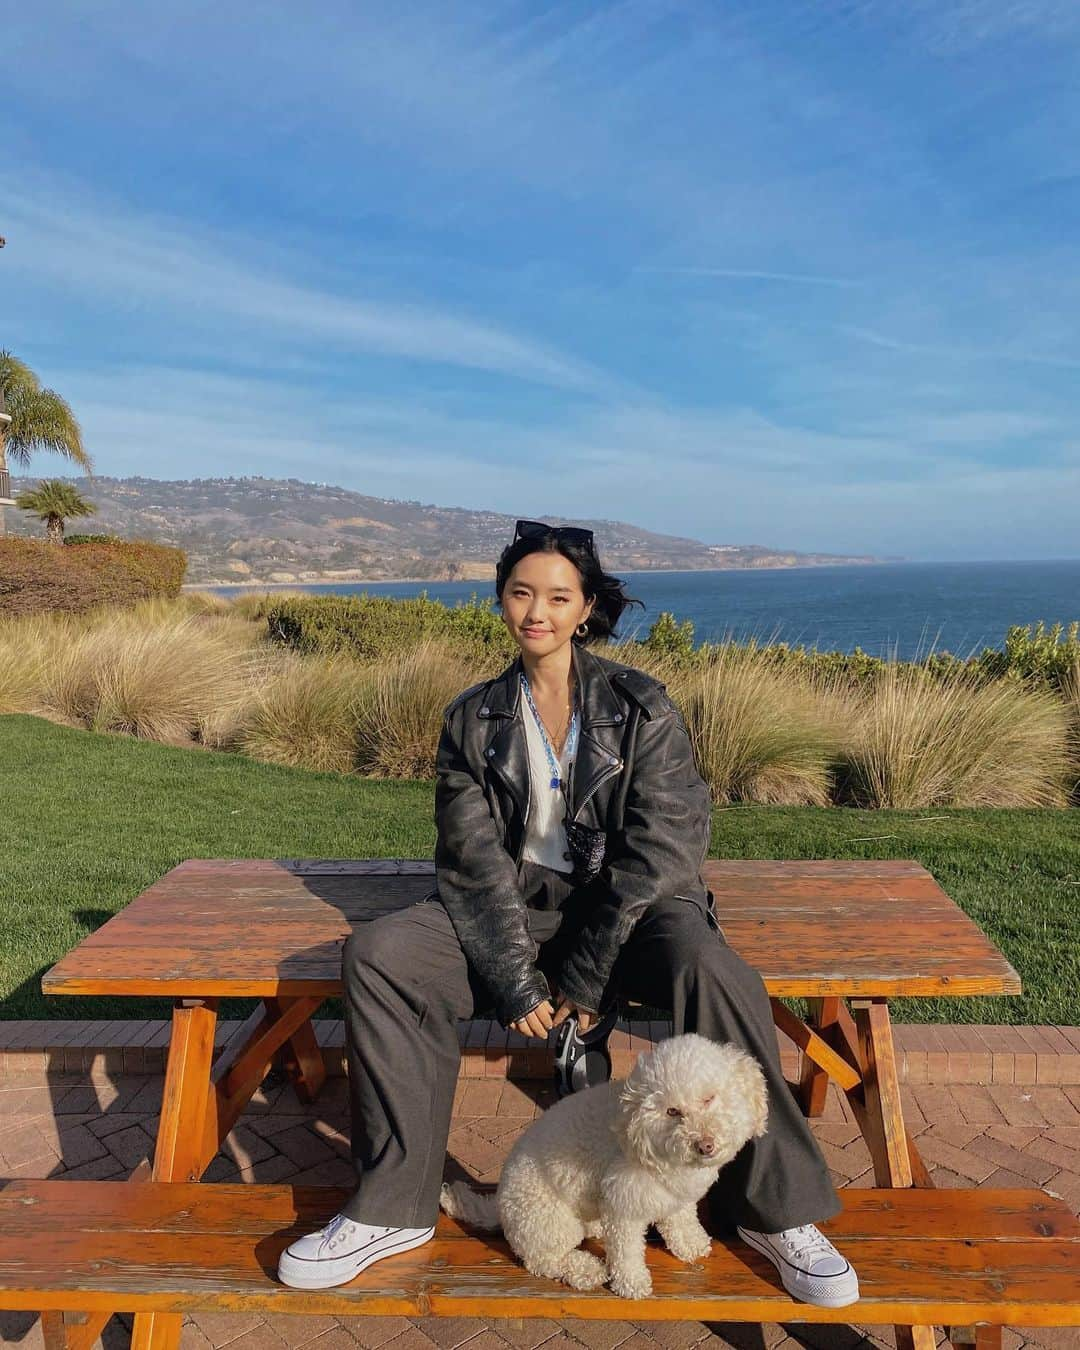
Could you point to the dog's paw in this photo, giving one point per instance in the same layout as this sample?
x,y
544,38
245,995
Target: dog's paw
x,y
584,1271
689,1251
632,1284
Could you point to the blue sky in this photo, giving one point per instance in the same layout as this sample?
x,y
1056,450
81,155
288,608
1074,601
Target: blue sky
x,y
795,274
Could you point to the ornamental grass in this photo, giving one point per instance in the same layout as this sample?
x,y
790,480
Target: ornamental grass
x,y
401,718
200,669
920,741
759,734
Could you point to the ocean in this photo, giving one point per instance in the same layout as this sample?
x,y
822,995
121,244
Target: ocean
x,y
902,610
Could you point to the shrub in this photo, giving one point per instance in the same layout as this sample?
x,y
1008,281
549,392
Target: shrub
x,y
156,681
1070,689
920,741
369,626
759,735
37,576
401,719
671,640
1041,657
26,647
304,713
256,605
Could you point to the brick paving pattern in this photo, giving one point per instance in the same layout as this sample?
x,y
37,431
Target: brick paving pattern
x,y
997,1134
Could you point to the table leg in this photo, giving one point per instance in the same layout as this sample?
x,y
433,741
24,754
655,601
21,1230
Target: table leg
x,y
813,1079
179,1154
303,1061
54,1330
886,1136
981,1336
845,1037
201,1103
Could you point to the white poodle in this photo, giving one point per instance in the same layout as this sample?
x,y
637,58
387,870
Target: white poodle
x,y
609,1161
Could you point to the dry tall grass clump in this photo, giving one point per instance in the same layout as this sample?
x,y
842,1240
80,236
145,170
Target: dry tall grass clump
x,y
304,712
27,646
759,735
921,741
400,721
154,680
1070,690
211,612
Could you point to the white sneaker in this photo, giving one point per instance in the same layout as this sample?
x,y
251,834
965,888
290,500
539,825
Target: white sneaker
x,y
341,1250
811,1269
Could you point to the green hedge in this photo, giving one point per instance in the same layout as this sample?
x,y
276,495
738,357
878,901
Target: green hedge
x,y
369,626
36,575
1039,656
366,626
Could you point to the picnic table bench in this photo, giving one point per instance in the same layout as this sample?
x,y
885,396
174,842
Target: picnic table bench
x,y
846,935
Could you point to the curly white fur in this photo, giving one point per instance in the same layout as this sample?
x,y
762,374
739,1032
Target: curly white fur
x,y
611,1160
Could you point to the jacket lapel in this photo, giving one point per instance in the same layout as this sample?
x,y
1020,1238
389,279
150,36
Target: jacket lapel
x,y
600,744
600,739
507,751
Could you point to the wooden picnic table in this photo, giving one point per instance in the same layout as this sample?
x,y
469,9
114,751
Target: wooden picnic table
x,y
847,935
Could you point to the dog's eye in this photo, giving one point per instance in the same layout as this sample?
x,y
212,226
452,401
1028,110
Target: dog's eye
x,y
708,1100
674,1111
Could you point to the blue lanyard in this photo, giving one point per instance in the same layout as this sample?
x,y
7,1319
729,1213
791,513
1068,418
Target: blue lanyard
x,y
571,736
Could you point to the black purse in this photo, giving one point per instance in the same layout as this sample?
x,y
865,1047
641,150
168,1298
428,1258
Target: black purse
x,y
586,847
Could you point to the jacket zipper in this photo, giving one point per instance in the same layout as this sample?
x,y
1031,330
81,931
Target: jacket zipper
x,y
525,821
609,773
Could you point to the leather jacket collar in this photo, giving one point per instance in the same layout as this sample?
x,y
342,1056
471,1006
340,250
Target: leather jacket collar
x,y
603,717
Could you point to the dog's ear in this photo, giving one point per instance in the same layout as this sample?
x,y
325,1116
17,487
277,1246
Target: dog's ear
x,y
635,1120
757,1096
634,1123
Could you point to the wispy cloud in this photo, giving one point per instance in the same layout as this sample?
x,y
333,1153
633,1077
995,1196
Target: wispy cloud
x,y
957,353
748,274
721,477
735,271
90,247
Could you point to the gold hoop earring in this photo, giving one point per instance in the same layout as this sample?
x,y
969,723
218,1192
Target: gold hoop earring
x,y
581,629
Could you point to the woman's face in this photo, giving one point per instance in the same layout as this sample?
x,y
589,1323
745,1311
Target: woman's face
x,y
543,603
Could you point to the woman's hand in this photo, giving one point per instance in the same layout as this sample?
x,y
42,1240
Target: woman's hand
x,y
541,1020
566,1006
536,1022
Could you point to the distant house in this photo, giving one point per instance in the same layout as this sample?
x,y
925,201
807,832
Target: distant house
x,y
6,499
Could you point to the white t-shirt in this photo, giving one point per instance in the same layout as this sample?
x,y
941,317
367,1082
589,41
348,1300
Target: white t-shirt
x,y
545,831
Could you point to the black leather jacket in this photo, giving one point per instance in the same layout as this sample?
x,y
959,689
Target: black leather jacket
x,y
634,778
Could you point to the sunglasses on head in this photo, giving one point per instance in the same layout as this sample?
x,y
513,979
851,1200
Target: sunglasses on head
x,y
537,529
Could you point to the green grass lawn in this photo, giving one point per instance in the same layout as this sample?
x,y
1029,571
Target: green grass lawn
x,y
88,821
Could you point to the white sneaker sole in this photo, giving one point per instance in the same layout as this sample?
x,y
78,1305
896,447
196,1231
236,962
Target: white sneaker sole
x,y
328,1272
845,1290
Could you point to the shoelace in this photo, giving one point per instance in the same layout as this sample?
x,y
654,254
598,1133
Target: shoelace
x,y
338,1229
805,1241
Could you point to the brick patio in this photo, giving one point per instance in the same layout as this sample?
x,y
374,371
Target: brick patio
x,y
997,1134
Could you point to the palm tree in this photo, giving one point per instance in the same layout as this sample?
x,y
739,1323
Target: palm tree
x,y
55,501
39,420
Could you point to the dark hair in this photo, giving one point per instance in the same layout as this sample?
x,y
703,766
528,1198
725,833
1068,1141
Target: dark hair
x,y
606,590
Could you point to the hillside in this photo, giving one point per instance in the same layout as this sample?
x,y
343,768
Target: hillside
x,y
282,530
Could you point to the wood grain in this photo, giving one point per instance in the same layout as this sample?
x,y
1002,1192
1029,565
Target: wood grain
x,y
1008,1257
265,928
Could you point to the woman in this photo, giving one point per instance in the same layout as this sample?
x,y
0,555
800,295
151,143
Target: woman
x,y
572,824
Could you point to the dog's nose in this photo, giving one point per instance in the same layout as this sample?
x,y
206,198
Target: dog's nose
x,y
706,1147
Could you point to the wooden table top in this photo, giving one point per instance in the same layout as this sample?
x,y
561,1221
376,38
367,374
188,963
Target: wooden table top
x,y
239,928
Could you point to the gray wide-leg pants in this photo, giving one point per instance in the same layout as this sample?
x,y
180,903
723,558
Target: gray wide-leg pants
x,y
407,983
